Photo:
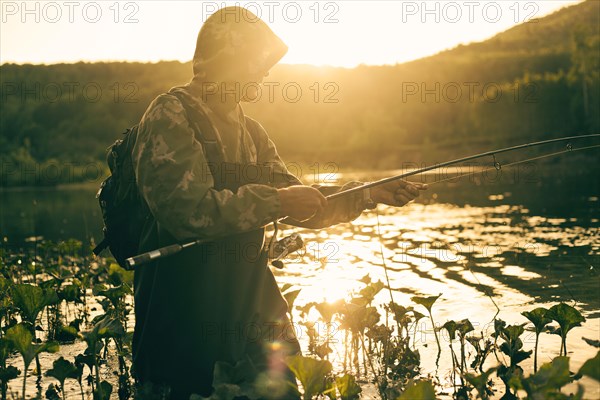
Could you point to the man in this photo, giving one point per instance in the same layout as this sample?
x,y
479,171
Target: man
x,y
219,302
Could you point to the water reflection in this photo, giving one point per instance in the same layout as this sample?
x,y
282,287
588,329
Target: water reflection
x,y
489,250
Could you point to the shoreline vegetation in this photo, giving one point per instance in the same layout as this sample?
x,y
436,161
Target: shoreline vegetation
x,y
52,297
533,82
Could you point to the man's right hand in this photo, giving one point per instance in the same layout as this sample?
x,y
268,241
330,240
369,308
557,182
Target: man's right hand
x,y
301,202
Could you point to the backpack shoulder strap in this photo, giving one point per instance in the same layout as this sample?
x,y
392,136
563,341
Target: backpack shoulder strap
x,y
254,129
203,131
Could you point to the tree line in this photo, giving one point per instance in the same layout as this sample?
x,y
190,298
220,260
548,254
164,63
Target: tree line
x,y
535,81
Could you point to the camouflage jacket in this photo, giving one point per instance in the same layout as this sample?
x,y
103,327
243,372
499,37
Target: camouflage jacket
x,y
175,180
199,300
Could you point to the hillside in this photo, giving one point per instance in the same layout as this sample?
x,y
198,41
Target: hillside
x,y
536,80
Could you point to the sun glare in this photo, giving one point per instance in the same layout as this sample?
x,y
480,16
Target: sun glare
x,y
320,33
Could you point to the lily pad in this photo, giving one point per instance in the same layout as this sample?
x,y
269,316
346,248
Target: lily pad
x,y
311,373
348,388
567,317
538,318
450,326
464,326
31,300
63,369
426,302
22,340
549,379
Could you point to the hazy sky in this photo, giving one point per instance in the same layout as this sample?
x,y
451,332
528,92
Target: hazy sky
x,y
340,33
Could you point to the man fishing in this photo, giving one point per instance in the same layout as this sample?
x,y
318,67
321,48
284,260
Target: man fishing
x,y
219,302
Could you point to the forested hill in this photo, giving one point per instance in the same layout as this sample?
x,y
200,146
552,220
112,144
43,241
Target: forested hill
x,y
537,80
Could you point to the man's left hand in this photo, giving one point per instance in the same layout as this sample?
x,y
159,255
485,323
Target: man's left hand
x,y
396,193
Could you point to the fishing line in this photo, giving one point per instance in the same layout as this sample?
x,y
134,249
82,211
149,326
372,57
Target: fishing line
x,y
592,269
385,268
492,153
512,164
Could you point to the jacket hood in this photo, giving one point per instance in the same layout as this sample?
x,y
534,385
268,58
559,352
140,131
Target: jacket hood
x,y
235,45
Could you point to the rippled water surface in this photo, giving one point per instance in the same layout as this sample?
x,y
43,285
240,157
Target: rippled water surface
x,y
490,250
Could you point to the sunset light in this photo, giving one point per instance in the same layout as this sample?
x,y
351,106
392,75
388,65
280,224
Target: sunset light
x,y
285,200
343,33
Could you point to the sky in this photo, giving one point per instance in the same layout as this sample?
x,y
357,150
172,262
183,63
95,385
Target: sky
x,y
338,33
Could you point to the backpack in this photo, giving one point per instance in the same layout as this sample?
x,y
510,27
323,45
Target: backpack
x,y
124,211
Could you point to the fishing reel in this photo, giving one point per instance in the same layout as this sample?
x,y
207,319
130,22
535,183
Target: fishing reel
x,y
281,248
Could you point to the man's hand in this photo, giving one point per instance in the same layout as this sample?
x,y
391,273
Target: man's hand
x,y
396,193
301,202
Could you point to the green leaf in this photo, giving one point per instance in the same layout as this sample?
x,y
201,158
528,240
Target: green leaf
x,y
348,388
105,328
422,390
52,393
464,326
549,378
114,294
512,332
290,297
499,326
31,300
417,315
8,373
311,373
63,369
426,302
71,293
400,312
520,356
118,276
85,359
450,326
67,334
480,382
538,318
566,316
22,339
591,367
370,291
327,309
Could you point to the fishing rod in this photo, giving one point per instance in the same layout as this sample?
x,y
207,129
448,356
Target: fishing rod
x,y
296,243
492,153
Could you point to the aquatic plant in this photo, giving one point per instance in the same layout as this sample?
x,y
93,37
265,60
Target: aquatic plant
x,y
548,381
22,341
568,318
512,347
481,382
428,302
539,320
62,370
311,373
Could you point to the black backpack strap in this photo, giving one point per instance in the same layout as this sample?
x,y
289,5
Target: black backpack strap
x,y
252,126
203,130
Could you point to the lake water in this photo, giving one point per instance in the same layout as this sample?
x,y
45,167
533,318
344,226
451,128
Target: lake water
x,y
492,246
